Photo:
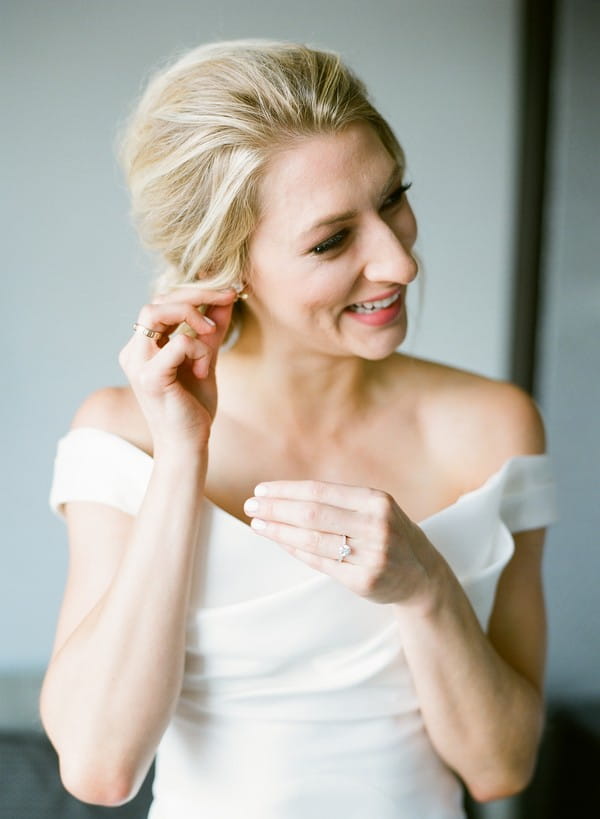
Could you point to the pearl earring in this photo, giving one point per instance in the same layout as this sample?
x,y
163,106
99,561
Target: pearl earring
x,y
242,293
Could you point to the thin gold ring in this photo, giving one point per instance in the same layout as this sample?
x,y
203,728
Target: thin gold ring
x,y
147,331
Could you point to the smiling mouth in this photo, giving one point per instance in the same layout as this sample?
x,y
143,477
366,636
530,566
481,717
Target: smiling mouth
x,y
372,306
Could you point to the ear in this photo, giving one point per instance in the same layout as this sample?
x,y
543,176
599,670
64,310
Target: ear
x,y
221,314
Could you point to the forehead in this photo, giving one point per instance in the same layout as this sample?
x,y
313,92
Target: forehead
x,y
322,175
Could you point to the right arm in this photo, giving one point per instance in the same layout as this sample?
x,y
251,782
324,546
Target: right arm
x,y
117,665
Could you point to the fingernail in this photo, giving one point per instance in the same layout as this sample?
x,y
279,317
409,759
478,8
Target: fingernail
x,y
257,523
251,505
260,490
210,321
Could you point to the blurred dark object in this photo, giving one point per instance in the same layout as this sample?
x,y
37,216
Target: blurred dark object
x,y
566,783
30,787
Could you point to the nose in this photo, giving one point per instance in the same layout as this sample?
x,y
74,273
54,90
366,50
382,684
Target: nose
x,y
388,255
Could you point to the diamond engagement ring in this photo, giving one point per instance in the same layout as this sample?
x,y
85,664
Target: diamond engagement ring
x,y
344,550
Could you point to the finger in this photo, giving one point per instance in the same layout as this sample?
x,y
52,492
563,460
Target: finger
x,y
320,544
308,515
356,498
344,572
167,317
351,575
196,295
162,370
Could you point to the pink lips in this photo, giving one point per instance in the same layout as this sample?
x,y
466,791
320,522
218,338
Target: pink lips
x,y
379,317
381,296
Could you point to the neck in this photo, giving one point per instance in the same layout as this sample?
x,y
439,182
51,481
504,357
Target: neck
x,y
298,389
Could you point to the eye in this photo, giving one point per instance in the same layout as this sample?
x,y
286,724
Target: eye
x,y
331,243
396,195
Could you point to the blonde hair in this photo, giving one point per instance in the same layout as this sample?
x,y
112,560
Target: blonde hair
x,y
200,137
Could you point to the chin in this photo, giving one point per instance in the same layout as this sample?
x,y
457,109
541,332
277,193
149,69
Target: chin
x,y
383,344
378,352
378,356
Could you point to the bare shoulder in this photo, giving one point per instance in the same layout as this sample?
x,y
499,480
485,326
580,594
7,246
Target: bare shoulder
x,y
474,421
115,410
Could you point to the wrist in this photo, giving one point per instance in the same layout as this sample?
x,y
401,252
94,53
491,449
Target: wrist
x,y
436,586
190,456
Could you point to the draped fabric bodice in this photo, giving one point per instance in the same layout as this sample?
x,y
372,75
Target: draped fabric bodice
x,y
297,700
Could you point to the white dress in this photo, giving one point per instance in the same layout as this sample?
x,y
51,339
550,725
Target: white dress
x,y
297,702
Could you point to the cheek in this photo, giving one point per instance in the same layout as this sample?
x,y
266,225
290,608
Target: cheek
x,y
291,289
329,289
332,281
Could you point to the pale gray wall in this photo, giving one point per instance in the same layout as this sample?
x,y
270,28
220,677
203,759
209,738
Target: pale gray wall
x,y
445,73
570,354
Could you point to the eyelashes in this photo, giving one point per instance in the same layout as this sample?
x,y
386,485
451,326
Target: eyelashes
x,y
330,243
338,238
396,195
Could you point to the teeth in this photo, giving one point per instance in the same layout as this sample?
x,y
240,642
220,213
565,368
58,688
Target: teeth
x,y
371,306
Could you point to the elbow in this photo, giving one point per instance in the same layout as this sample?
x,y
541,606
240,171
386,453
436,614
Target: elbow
x,y
84,774
501,783
96,785
507,770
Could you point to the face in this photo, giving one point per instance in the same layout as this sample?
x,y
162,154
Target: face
x,y
330,258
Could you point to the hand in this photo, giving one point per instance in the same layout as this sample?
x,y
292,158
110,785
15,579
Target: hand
x,y
173,377
310,519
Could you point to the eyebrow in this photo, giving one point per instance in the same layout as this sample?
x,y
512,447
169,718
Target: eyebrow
x,y
350,214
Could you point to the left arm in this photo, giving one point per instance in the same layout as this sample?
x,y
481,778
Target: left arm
x,y
480,694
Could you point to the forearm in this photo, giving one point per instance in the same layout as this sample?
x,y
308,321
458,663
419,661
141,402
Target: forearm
x,y
111,688
483,717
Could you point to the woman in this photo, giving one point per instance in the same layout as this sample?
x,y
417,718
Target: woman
x,y
375,634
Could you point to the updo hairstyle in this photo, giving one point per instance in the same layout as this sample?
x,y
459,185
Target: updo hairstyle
x,y
202,134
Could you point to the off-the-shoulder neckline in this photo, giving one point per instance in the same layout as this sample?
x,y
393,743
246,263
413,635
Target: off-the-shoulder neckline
x,y
495,476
